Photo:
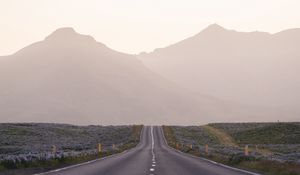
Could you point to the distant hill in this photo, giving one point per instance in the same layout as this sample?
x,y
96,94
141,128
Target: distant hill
x,y
254,68
71,78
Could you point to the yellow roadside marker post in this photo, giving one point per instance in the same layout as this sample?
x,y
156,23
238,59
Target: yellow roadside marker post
x,y
114,147
246,150
99,149
54,150
206,149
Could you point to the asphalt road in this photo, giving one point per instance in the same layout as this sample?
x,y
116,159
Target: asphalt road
x,y
151,156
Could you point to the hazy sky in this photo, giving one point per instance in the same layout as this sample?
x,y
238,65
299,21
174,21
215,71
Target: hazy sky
x,y
133,26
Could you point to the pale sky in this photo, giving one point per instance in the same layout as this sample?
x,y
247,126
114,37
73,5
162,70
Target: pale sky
x,y
133,26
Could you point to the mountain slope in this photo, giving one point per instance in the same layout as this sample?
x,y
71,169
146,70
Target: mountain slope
x,y
71,78
254,68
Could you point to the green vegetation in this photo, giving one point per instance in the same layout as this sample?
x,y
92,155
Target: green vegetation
x,y
281,133
271,167
198,135
262,133
45,165
222,137
273,147
26,148
169,135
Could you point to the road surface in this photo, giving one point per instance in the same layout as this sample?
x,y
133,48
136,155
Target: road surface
x,y
151,157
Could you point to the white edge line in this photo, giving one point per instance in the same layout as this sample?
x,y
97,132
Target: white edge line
x,y
92,161
207,160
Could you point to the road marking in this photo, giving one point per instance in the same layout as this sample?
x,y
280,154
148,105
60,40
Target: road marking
x,y
152,145
152,150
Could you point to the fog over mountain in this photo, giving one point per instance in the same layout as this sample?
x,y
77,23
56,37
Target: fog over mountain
x,y
71,78
251,68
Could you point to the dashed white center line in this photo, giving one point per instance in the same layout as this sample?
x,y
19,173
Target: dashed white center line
x,y
152,145
152,151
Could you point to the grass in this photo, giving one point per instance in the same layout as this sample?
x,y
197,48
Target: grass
x,y
169,135
27,168
251,163
223,137
271,167
279,133
110,134
261,133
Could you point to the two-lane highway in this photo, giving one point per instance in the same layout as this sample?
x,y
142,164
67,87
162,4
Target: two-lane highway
x,y
151,156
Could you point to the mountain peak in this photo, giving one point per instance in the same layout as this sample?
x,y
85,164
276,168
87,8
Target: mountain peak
x,y
67,33
65,30
214,27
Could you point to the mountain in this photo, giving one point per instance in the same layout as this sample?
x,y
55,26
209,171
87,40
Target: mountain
x,y
250,68
71,78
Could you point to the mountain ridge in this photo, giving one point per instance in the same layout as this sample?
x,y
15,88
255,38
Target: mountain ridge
x,y
84,82
236,61
216,27
72,78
